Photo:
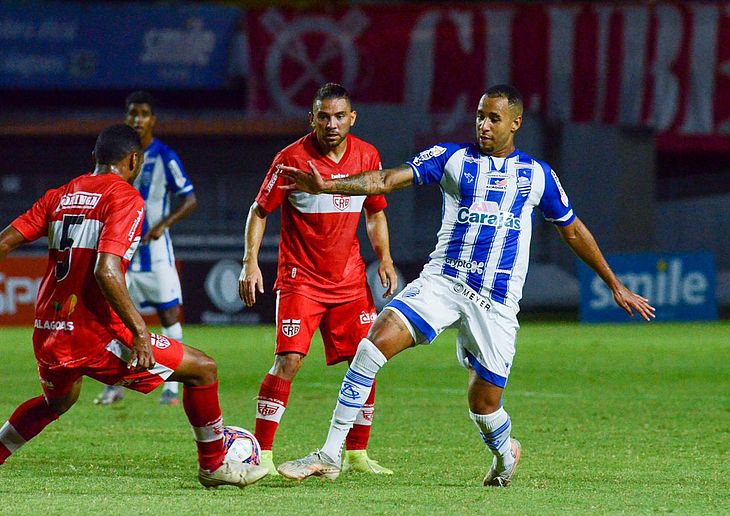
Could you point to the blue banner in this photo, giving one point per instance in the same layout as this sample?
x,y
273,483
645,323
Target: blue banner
x,y
681,286
75,46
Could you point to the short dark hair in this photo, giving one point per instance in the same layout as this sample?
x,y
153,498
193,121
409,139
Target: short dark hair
x,y
332,90
140,97
114,143
512,94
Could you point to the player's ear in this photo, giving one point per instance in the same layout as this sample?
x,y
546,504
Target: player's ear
x,y
353,117
516,123
310,118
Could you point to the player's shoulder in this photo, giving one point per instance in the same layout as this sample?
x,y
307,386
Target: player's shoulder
x,y
361,145
301,146
160,148
523,158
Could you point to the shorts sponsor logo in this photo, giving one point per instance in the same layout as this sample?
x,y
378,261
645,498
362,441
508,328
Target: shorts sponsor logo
x,y
481,302
160,341
341,202
349,391
290,327
487,213
428,154
267,409
367,318
79,200
42,324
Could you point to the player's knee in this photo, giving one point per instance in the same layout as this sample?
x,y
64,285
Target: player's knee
x,y
208,369
286,366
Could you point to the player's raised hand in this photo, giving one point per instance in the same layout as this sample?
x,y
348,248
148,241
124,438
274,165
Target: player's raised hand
x,y
631,302
142,357
250,281
310,182
388,277
153,234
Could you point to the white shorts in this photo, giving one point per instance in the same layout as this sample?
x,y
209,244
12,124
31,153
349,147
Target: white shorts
x,y
487,329
160,288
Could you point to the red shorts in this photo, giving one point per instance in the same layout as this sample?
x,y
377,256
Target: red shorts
x,y
110,367
342,325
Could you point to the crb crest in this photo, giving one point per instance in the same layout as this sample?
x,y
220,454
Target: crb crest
x,y
341,202
290,327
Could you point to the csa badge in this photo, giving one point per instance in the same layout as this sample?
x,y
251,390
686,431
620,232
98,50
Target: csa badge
x,y
290,327
341,202
267,409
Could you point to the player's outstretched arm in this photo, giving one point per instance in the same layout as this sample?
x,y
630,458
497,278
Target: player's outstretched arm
x,y
10,239
377,229
581,241
370,182
185,208
251,280
109,276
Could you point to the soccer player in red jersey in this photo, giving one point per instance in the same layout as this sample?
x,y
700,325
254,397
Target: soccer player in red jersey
x,y
321,276
85,321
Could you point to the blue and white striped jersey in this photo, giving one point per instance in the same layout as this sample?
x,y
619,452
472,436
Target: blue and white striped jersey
x,y
162,174
486,226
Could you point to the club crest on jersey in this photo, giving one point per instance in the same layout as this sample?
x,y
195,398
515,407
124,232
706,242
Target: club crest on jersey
x,y
290,327
426,155
78,200
341,202
524,181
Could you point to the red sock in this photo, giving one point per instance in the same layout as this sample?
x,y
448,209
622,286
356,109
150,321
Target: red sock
x,y
28,420
359,435
204,413
270,406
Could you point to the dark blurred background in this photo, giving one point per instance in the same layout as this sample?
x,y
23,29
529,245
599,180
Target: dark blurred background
x,y
627,102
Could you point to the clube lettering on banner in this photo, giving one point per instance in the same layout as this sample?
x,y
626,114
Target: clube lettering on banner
x,y
661,65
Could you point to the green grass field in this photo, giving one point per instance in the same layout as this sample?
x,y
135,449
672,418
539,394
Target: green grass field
x,y
630,419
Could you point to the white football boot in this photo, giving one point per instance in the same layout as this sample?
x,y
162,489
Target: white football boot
x,y
316,464
232,474
503,478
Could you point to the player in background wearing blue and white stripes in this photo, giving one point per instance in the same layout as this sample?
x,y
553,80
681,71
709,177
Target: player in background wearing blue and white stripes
x,y
152,278
474,277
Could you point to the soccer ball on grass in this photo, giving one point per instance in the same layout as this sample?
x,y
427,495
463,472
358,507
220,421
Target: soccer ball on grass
x,y
241,445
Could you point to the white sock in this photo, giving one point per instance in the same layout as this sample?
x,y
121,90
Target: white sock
x,y
173,332
495,430
354,391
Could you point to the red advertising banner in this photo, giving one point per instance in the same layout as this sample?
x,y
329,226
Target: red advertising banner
x,y
660,65
20,278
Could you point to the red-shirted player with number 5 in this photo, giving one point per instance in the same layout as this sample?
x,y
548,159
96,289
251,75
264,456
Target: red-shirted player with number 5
x,y
321,276
86,323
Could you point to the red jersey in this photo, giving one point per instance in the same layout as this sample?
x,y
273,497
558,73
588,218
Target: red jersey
x,y
89,215
319,253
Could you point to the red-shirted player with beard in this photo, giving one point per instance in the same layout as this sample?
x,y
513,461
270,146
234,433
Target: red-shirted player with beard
x,y
85,321
321,276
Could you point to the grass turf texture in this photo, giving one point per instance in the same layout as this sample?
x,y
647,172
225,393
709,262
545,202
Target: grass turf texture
x,y
632,419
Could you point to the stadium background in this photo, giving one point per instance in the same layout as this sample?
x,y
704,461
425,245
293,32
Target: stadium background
x,y
624,101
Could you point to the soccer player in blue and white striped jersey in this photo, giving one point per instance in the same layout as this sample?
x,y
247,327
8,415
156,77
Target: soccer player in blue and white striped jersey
x,y
474,277
152,278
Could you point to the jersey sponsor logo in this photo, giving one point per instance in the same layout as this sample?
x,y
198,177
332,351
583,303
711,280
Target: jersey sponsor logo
x,y
290,327
428,154
498,183
367,318
160,341
487,213
465,265
272,181
349,391
563,195
45,324
78,200
133,229
267,409
341,202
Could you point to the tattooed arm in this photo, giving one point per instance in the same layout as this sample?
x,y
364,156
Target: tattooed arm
x,y
370,182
